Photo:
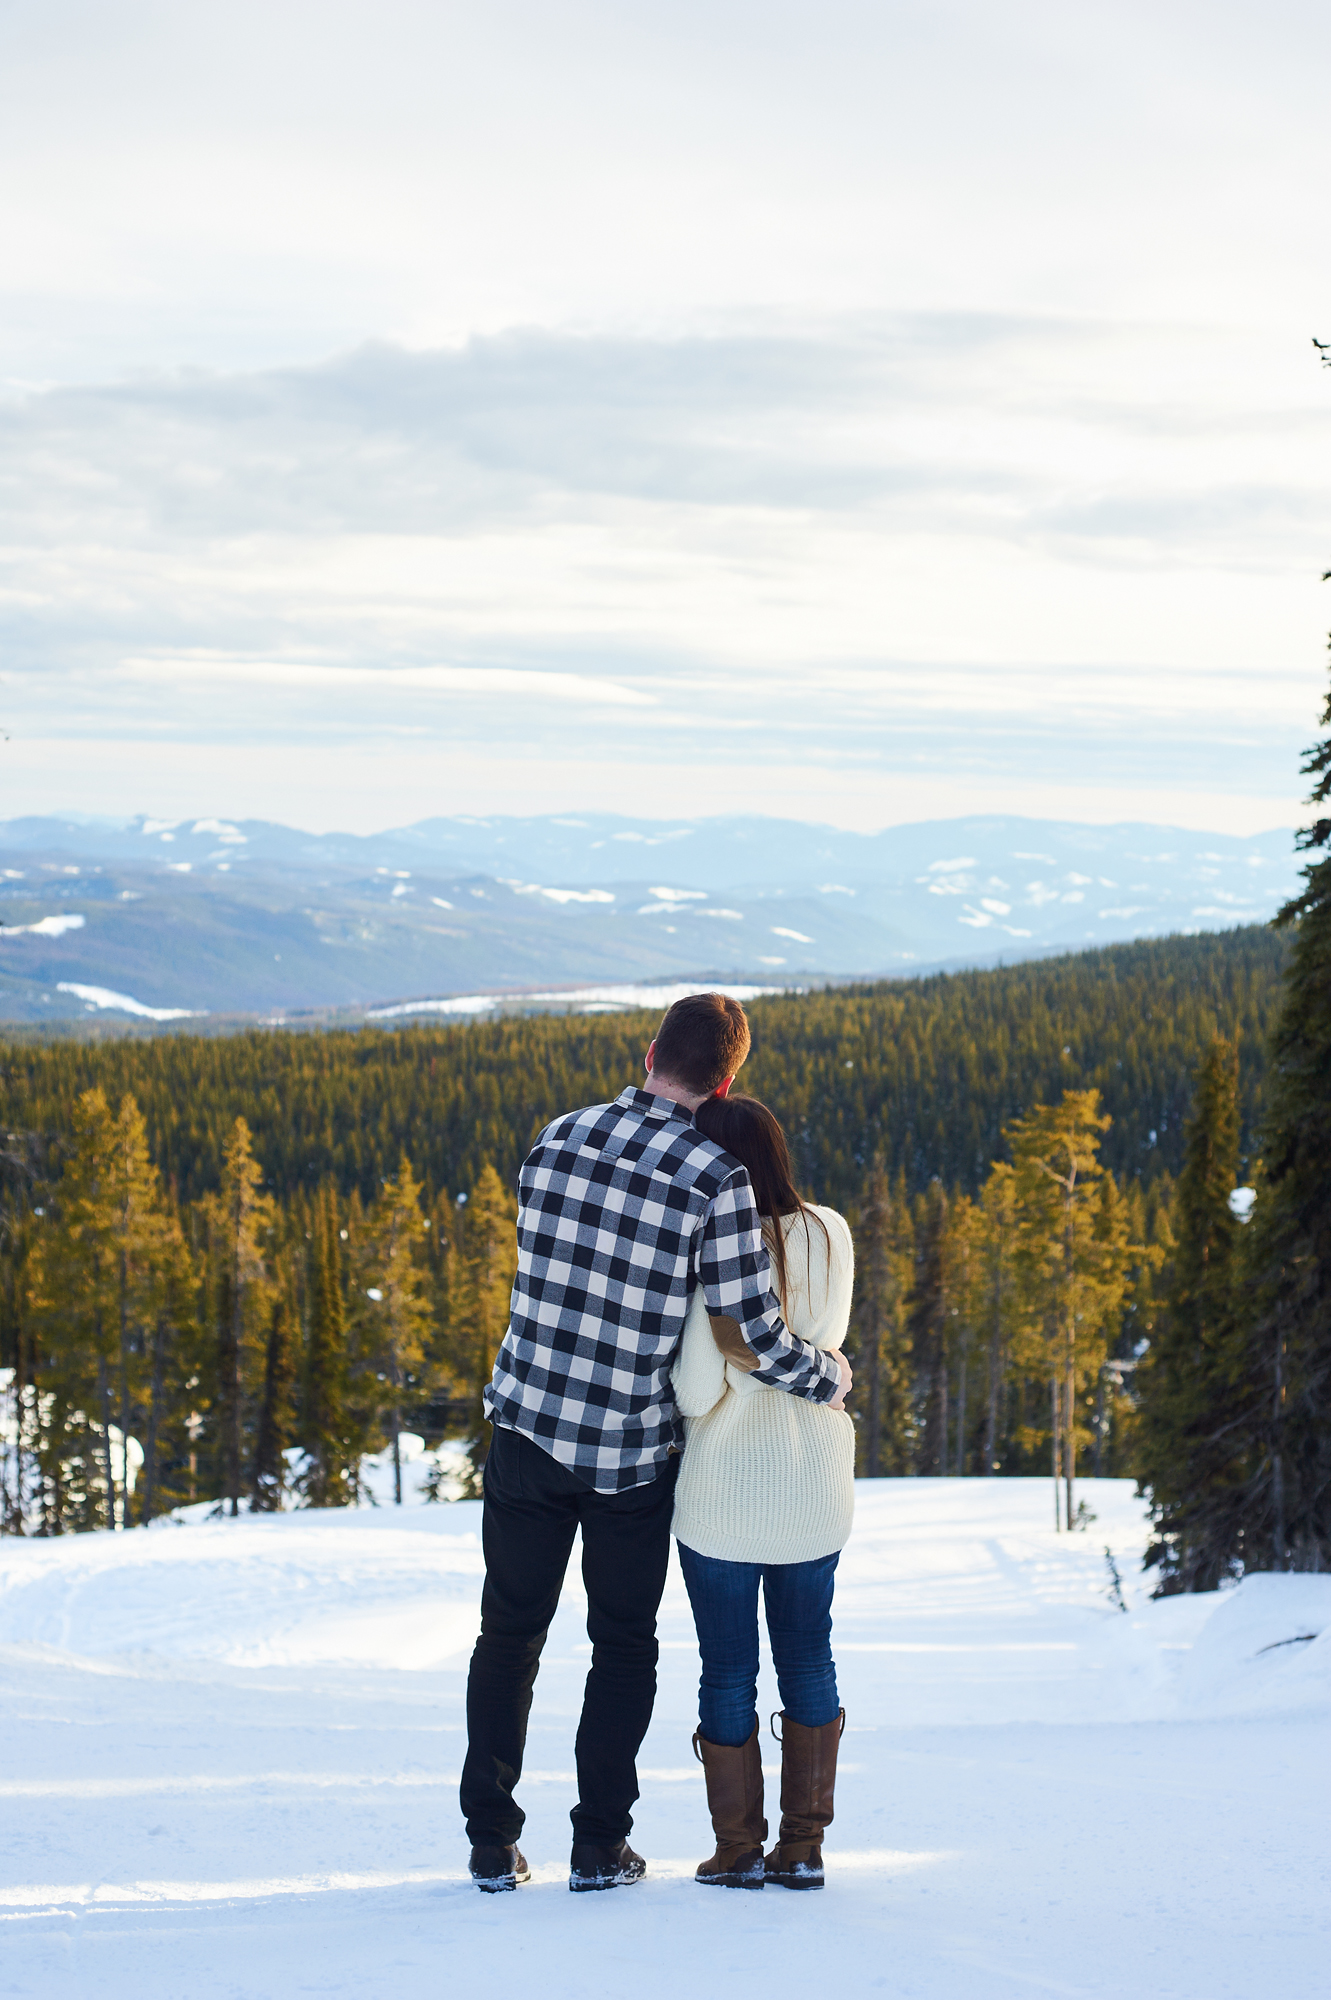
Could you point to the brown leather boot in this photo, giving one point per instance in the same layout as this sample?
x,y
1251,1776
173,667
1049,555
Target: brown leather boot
x,y
808,1781
735,1801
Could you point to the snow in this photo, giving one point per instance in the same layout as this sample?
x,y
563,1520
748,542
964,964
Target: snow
x,y
589,998
233,1752
45,926
230,836
465,1003
102,996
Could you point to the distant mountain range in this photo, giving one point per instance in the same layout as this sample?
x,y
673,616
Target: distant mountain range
x,y
162,919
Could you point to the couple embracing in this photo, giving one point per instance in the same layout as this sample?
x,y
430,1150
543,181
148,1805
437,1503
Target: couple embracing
x,y
672,1364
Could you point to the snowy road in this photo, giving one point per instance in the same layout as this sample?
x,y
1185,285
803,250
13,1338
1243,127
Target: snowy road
x,y
231,1755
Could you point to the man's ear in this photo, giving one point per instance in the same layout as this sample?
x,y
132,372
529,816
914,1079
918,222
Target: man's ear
x,y
723,1089
650,1057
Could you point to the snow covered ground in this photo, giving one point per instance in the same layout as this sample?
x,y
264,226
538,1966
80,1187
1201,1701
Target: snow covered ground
x,y
231,1754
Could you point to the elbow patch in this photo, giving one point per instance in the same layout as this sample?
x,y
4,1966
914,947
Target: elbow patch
x,y
726,1334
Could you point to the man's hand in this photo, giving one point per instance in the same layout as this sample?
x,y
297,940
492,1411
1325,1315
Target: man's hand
x,y
838,1401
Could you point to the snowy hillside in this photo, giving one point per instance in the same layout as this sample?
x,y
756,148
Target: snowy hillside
x,y
233,1749
158,919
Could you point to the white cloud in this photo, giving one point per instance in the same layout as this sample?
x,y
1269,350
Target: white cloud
x,y
498,683
878,302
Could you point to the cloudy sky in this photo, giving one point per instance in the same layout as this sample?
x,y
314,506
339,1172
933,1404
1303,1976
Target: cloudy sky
x,y
858,412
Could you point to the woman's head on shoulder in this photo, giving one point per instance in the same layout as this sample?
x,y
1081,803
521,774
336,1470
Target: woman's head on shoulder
x,y
752,1134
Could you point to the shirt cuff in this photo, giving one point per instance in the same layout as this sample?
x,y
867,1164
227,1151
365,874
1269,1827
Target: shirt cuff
x,y
826,1388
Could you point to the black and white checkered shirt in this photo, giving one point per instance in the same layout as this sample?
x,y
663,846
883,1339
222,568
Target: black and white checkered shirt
x,y
623,1209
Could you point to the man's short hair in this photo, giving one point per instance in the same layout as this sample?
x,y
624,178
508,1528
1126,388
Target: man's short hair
x,y
703,1039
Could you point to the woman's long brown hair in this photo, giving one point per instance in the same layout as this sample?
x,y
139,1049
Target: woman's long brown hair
x,y
752,1134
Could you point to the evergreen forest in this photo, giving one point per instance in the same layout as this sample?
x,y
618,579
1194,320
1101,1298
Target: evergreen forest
x,y
230,1267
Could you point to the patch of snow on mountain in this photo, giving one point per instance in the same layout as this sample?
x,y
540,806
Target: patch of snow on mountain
x,y
46,926
467,1003
122,1003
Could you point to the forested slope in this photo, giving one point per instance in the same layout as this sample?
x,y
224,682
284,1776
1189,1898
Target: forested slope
x,y
925,1073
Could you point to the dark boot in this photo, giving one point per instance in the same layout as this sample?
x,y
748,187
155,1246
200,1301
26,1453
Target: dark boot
x,y
735,1801
808,1781
604,1867
496,1868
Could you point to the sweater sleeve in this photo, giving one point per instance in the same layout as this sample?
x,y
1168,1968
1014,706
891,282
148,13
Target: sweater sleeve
x,y
699,1371
735,1280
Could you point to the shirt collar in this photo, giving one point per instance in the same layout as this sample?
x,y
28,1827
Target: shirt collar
x,y
651,1106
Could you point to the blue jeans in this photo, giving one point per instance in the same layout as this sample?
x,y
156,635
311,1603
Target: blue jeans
x,y
798,1600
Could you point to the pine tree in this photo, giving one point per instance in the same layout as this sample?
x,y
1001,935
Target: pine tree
x,y
484,1265
152,1287
274,1430
1190,1451
996,1303
1287,1514
332,1462
75,1297
242,1219
880,1398
395,1305
929,1324
1074,1257
963,1268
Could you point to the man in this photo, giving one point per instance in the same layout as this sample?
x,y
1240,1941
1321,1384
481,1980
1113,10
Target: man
x,y
623,1209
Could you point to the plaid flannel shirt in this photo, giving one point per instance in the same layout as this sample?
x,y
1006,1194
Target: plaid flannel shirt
x,y
623,1208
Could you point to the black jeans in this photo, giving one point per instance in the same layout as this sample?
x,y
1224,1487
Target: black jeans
x,y
533,1505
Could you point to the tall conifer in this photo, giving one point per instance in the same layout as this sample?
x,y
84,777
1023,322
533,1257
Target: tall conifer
x,y
996,1305
1075,1258
332,1454
929,1329
242,1220
394,1304
880,1399
75,1295
484,1265
1191,1444
1288,1514
273,1432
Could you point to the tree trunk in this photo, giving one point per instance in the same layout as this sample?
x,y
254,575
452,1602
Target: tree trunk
x,y
943,1411
991,1406
1069,1357
1070,1432
1277,1459
961,1421
233,1387
1056,1442
124,1388
397,1458
154,1408
104,1396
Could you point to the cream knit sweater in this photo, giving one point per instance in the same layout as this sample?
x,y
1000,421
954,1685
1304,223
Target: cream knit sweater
x,y
768,1477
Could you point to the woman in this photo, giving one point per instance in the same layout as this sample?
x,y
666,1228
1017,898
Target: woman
x,y
766,1494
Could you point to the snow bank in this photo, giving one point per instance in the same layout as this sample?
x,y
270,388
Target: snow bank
x,y
1264,1650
